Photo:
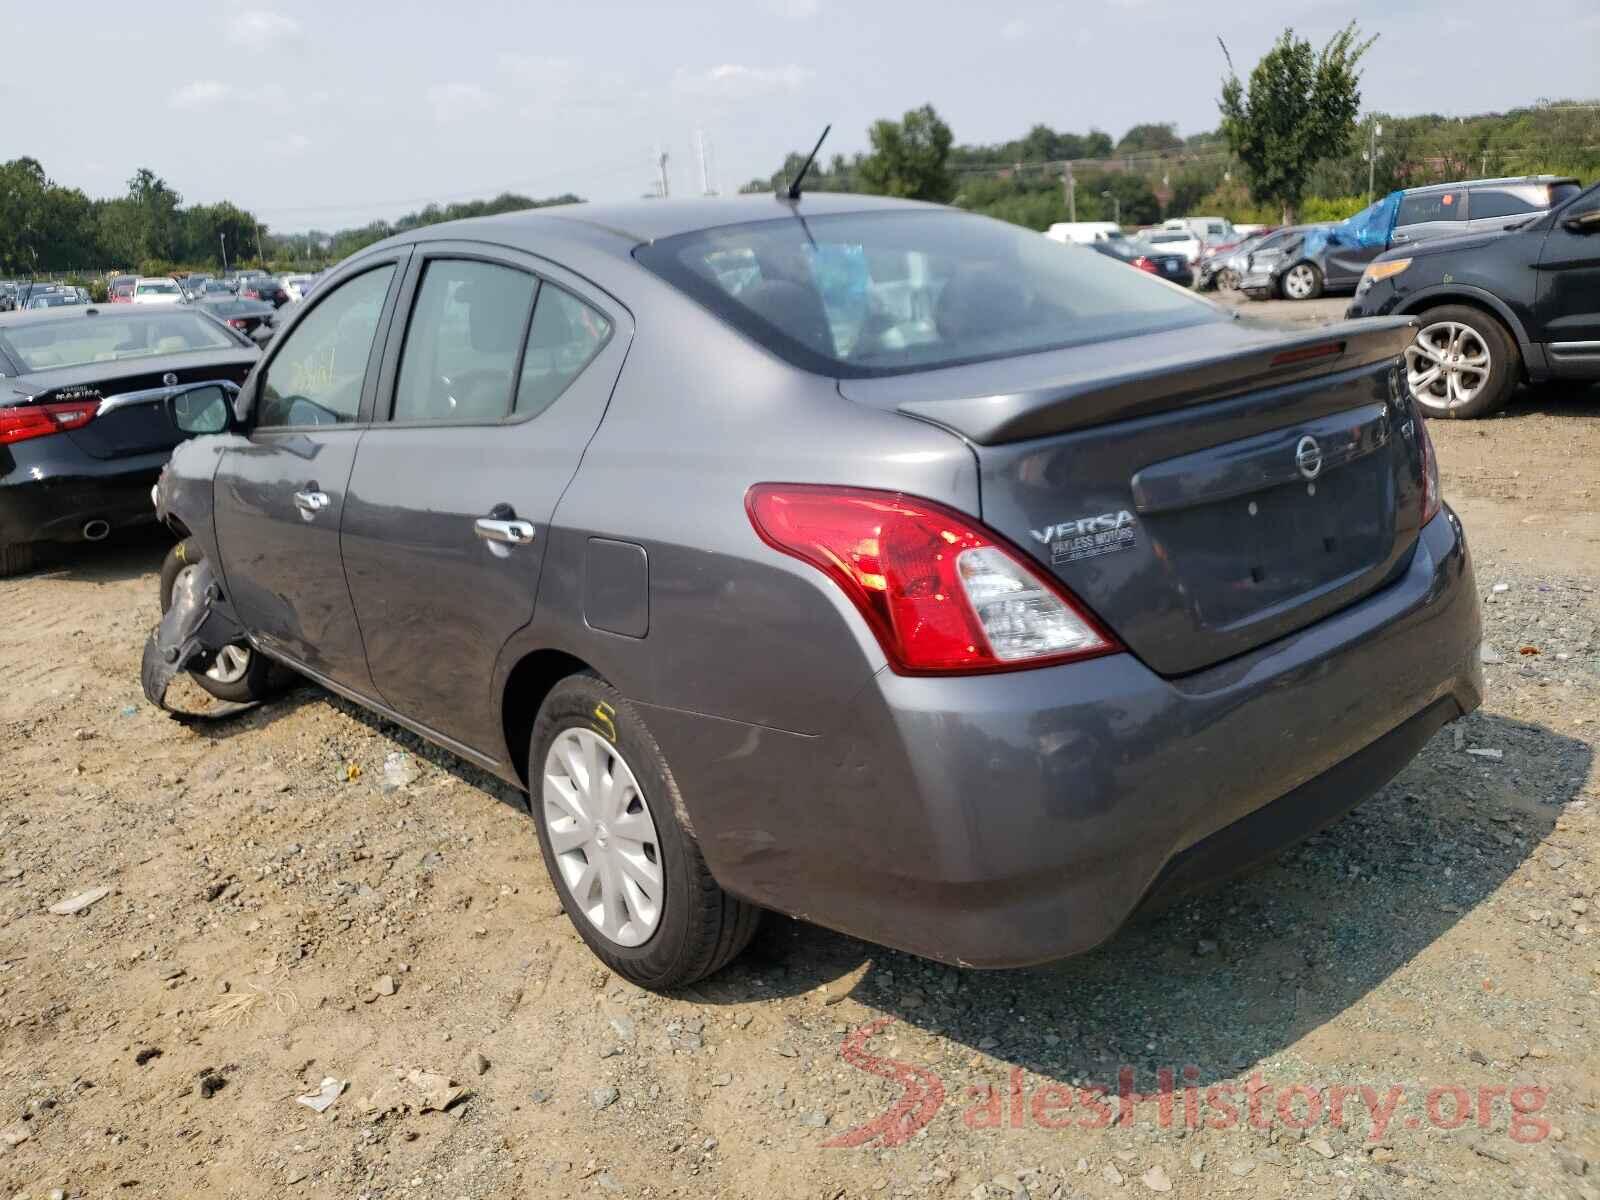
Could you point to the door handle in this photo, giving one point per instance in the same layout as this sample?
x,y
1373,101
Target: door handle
x,y
311,503
512,532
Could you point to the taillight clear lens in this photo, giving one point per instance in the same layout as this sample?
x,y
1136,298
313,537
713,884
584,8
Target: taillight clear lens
x,y
1430,467
20,422
942,594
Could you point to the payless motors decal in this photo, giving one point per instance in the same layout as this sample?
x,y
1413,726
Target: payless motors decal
x,y
1089,537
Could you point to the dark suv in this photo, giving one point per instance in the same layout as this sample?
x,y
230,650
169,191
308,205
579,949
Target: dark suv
x,y
1495,308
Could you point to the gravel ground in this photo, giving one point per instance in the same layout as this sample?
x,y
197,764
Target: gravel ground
x,y
305,893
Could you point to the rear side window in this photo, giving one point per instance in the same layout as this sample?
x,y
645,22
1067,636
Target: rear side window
x,y
459,362
1513,201
884,293
1432,206
316,376
565,336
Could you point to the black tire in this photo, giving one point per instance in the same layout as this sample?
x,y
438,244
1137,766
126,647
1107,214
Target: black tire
x,y
1505,363
700,928
16,559
260,679
1314,288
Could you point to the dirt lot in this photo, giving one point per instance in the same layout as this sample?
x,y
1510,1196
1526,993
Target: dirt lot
x,y
280,914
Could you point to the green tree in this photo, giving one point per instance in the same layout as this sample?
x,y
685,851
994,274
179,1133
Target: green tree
x,y
909,157
1142,139
1300,107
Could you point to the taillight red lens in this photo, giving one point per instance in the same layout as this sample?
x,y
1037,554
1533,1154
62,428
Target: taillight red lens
x,y
20,422
237,323
942,594
1430,467
1144,264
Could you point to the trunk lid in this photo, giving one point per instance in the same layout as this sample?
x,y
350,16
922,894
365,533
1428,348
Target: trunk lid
x,y
136,422
1203,491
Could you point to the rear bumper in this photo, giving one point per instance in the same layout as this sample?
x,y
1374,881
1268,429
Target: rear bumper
x,y
1013,819
50,489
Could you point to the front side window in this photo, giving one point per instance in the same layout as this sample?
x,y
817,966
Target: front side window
x,y
1418,209
854,295
460,356
565,336
316,376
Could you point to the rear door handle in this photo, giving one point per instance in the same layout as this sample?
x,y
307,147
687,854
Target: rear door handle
x,y
512,532
311,503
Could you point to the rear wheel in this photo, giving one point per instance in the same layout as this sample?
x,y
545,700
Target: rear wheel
x,y
235,673
1302,282
1462,364
16,558
629,875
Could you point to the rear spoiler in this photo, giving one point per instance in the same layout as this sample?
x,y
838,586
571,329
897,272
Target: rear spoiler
x,y
1112,386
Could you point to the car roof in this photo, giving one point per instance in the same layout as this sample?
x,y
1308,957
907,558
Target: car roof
x,y
1497,181
640,221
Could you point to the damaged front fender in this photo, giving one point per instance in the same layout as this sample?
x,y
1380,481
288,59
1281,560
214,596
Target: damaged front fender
x,y
198,624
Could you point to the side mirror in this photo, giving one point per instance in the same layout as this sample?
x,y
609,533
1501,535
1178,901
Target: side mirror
x,y
1584,222
200,410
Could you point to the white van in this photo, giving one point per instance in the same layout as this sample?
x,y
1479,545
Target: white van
x,y
1204,229
1083,232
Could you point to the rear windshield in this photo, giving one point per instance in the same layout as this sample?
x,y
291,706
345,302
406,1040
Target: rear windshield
x,y
107,338
865,294
158,289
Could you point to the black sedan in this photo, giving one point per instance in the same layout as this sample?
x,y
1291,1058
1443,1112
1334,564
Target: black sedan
x,y
1495,309
84,431
243,315
1172,267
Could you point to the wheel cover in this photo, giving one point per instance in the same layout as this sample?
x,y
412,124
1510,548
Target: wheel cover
x,y
1447,365
603,837
1298,282
232,663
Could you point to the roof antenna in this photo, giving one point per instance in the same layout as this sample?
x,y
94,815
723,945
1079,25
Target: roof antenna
x,y
793,190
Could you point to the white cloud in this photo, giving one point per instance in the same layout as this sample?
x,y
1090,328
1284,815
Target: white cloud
x,y
260,29
201,94
1014,30
736,80
794,10
457,101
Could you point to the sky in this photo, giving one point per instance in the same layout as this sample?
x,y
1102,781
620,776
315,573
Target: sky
x,y
331,114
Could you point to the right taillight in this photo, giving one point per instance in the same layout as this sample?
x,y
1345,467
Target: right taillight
x,y
20,422
943,594
1430,467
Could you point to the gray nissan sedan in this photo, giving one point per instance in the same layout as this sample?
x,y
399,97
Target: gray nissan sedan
x,y
865,560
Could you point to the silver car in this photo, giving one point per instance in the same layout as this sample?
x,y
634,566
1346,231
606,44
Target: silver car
x,y
865,560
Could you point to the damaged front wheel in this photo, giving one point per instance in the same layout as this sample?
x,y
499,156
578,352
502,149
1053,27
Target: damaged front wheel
x,y
235,672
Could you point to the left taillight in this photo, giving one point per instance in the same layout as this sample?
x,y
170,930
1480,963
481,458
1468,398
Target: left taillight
x,y
1145,264
238,324
1430,466
21,422
942,594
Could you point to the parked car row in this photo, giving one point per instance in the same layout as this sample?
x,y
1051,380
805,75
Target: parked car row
x,y
1319,259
